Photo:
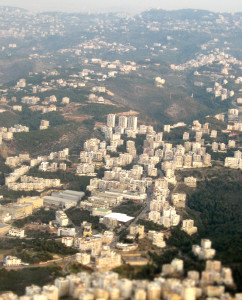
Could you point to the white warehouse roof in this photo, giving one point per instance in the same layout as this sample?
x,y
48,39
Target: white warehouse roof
x,y
120,217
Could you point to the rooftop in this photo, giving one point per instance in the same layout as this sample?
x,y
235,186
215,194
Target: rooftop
x,y
120,217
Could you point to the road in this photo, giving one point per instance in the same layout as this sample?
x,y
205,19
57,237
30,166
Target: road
x,y
149,198
145,209
66,260
147,206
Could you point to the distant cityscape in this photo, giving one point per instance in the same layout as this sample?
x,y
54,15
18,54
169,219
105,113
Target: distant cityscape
x,y
113,193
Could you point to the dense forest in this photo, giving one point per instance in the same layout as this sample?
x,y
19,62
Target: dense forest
x,y
217,213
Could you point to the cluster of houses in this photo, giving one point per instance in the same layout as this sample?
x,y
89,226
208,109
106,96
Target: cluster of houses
x,y
128,175
203,60
170,284
220,91
28,183
7,133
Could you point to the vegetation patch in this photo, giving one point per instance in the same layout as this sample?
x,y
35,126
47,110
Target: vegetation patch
x,y
77,216
217,213
74,182
149,225
129,208
16,281
40,216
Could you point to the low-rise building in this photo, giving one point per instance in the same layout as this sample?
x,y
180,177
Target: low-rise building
x,y
234,162
214,134
204,251
17,232
87,169
65,100
167,128
63,231
113,219
179,199
17,211
86,229
10,261
44,124
137,230
107,259
231,143
176,266
83,258
107,237
65,199
67,241
186,136
100,212
190,181
61,218
157,238
188,226
93,243
17,107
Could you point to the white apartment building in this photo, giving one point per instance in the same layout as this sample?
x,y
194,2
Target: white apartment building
x,y
17,232
10,261
204,251
123,122
190,181
61,218
111,120
179,199
132,123
188,226
157,238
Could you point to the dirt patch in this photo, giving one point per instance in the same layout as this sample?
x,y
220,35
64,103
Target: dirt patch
x,y
5,151
128,113
75,118
99,124
110,93
175,110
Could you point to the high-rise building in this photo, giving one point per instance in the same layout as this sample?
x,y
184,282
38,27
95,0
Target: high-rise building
x,y
111,120
132,123
123,121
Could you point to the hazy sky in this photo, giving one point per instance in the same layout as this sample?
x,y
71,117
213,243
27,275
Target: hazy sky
x,y
123,5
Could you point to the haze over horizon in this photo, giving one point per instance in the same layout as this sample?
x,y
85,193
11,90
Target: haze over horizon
x,y
133,6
